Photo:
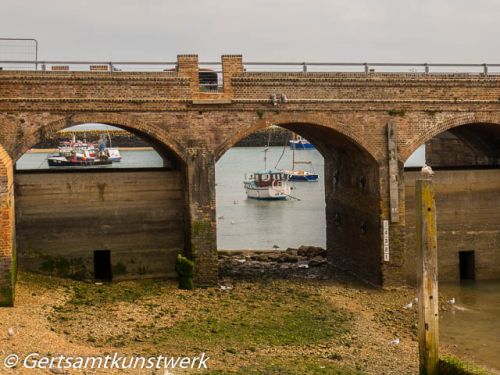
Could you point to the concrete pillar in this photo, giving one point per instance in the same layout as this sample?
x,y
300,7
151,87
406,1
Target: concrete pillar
x,y
201,221
231,65
187,66
8,268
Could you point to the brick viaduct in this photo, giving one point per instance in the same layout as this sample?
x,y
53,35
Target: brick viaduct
x,y
365,126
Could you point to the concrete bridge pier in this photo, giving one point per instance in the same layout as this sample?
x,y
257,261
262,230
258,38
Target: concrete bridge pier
x,y
201,222
8,267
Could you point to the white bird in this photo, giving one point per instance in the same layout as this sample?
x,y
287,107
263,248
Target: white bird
x,y
409,306
221,217
427,172
234,222
10,332
451,300
276,247
283,98
224,287
415,300
394,342
57,370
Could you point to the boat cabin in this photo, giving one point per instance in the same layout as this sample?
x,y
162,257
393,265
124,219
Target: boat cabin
x,y
267,178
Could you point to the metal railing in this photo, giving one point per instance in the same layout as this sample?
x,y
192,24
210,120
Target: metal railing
x,y
304,67
16,49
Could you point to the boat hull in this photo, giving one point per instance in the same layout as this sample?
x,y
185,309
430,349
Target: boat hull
x,y
78,163
267,193
310,177
302,146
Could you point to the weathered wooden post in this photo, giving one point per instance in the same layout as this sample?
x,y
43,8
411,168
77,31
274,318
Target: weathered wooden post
x,y
427,282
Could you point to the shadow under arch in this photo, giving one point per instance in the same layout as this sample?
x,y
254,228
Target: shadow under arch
x,y
137,216
310,128
352,196
479,126
159,139
466,195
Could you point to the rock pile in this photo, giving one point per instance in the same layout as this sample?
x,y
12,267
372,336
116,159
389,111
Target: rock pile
x,y
306,261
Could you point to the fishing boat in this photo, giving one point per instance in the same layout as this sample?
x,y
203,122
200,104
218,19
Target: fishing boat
x,y
80,154
300,143
266,184
270,184
297,174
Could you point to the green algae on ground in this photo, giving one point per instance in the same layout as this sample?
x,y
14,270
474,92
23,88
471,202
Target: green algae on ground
x,y
258,327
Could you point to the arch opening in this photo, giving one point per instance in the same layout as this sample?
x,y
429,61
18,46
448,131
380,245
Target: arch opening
x,y
134,214
465,160
467,193
348,213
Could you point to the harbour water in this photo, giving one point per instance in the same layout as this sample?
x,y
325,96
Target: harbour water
x,y
262,224
471,326
259,224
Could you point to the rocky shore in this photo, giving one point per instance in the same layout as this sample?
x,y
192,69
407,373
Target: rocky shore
x,y
304,262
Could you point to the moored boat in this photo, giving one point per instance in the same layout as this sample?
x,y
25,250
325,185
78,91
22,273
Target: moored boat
x,y
300,175
270,184
80,154
300,143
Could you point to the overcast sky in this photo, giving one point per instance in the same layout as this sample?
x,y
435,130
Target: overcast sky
x,y
262,30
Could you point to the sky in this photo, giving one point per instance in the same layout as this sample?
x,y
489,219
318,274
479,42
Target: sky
x,y
415,31
438,31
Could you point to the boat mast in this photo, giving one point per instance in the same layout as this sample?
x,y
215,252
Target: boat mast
x,y
293,157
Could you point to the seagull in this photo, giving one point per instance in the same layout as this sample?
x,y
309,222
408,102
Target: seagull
x,y
10,332
276,247
221,217
415,300
394,342
234,222
409,306
427,172
57,370
223,287
452,301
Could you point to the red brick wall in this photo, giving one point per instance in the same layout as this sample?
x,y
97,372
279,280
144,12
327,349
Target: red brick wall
x,y
7,231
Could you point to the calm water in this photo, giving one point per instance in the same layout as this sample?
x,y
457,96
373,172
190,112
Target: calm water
x,y
473,322
262,224
131,159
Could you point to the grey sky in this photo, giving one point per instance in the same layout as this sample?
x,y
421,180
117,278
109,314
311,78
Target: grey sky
x,y
261,30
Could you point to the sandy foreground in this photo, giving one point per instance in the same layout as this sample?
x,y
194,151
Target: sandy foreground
x,y
283,326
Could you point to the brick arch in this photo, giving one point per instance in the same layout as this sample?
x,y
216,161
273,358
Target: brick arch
x,y
438,128
346,131
122,121
8,267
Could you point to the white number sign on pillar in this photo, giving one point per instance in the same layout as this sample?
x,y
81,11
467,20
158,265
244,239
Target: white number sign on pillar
x,y
386,240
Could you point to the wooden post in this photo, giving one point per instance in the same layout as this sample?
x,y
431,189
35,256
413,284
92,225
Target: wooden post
x,y
427,282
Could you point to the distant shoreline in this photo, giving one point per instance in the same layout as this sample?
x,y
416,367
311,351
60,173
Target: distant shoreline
x,y
48,150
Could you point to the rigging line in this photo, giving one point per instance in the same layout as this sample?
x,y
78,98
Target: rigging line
x,y
283,152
